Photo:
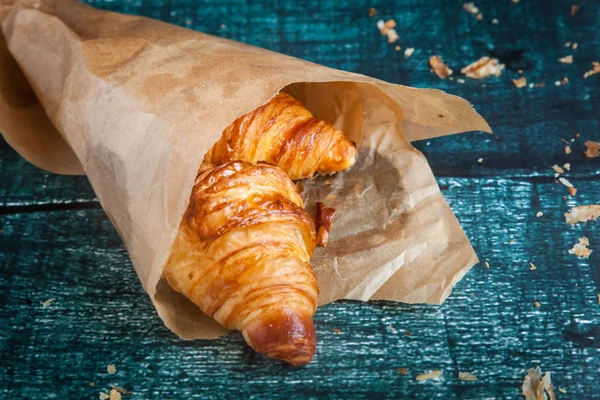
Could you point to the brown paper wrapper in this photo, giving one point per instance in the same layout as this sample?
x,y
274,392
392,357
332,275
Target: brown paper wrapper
x,y
135,103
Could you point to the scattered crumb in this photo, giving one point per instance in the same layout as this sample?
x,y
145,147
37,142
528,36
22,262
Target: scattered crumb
x,y
188,22
466,376
460,80
577,135
92,383
574,9
564,81
120,390
593,149
397,48
427,144
336,331
568,44
223,26
372,12
480,160
558,169
112,369
595,70
323,222
534,385
512,241
495,21
574,47
408,52
521,82
483,68
572,191
487,265
556,83
104,396
438,66
532,267
566,60
567,166
430,375
562,390
387,29
536,304
407,332
471,8
582,214
539,214
391,328
581,249
114,395
47,303
565,182
479,17
567,149
520,71
402,371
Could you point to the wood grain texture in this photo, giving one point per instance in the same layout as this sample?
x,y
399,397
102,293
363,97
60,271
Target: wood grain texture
x,y
57,243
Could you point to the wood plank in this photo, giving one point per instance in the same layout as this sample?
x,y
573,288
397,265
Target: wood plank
x,y
489,326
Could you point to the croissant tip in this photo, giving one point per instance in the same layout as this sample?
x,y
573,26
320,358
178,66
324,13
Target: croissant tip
x,y
287,336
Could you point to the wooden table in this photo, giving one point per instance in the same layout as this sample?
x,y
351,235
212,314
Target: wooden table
x,y
56,242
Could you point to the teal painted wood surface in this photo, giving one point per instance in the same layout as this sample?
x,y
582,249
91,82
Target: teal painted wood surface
x,y
56,242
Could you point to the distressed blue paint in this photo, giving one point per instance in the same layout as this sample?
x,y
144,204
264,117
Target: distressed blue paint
x,y
57,243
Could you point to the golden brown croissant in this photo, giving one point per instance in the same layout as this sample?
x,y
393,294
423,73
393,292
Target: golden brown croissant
x,y
242,255
284,133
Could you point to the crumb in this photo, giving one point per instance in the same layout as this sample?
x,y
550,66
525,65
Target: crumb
x,y
566,60
562,390
223,26
460,80
451,78
532,267
114,395
427,144
188,22
558,169
577,135
480,160
593,149
466,376
92,383
336,331
487,265
323,222
380,24
567,166
391,328
495,21
574,47
387,29
479,17
539,214
567,149
407,332
572,191
556,83
392,36
372,12
402,371
483,68
48,302
408,52
581,249
534,385
515,1
574,9
430,375
471,8
521,82
582,214
104,396
565,182
537,304
595,70
120,390
564,81
568,44
397,48
512,241
111,368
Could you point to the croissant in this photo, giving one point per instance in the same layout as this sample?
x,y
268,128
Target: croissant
x,y
242,255
284,133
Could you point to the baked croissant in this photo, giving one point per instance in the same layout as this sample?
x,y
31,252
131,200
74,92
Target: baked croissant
x,y
242,255
284,133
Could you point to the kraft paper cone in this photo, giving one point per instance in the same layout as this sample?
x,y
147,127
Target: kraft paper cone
x,y
135,103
